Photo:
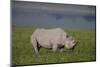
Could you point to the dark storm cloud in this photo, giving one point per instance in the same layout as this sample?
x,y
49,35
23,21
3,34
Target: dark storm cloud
x,y
53,15
53,8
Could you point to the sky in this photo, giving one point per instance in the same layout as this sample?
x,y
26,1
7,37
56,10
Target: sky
x,y
46,15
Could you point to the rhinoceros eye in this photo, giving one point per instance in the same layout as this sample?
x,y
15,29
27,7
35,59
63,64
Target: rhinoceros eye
x,y
67,36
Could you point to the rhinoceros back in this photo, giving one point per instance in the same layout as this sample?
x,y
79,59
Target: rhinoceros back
x,y
48,37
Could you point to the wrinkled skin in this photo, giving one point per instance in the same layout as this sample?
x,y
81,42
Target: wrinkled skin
x,y
51,38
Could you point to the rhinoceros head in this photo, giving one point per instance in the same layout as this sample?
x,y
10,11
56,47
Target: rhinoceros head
x,y
70,42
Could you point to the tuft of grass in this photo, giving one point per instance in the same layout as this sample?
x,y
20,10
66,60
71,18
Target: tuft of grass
x,y
23,52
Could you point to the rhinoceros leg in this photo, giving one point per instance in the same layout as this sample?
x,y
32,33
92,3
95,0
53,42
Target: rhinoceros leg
x,y
36,49
62,49
34,43
54,48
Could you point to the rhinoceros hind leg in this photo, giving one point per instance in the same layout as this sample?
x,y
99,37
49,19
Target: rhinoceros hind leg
x,y
34,43
54,48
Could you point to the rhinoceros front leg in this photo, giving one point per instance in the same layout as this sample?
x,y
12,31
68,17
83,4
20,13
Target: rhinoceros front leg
x,y
62,49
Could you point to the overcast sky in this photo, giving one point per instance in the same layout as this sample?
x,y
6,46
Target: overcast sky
x,y
53,15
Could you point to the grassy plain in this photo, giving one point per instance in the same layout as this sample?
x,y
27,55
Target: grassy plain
x,y
23,52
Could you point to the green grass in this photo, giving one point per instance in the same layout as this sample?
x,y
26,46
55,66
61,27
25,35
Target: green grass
x,y
23,52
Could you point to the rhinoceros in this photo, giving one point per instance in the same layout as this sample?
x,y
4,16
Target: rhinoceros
x,y
55,38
